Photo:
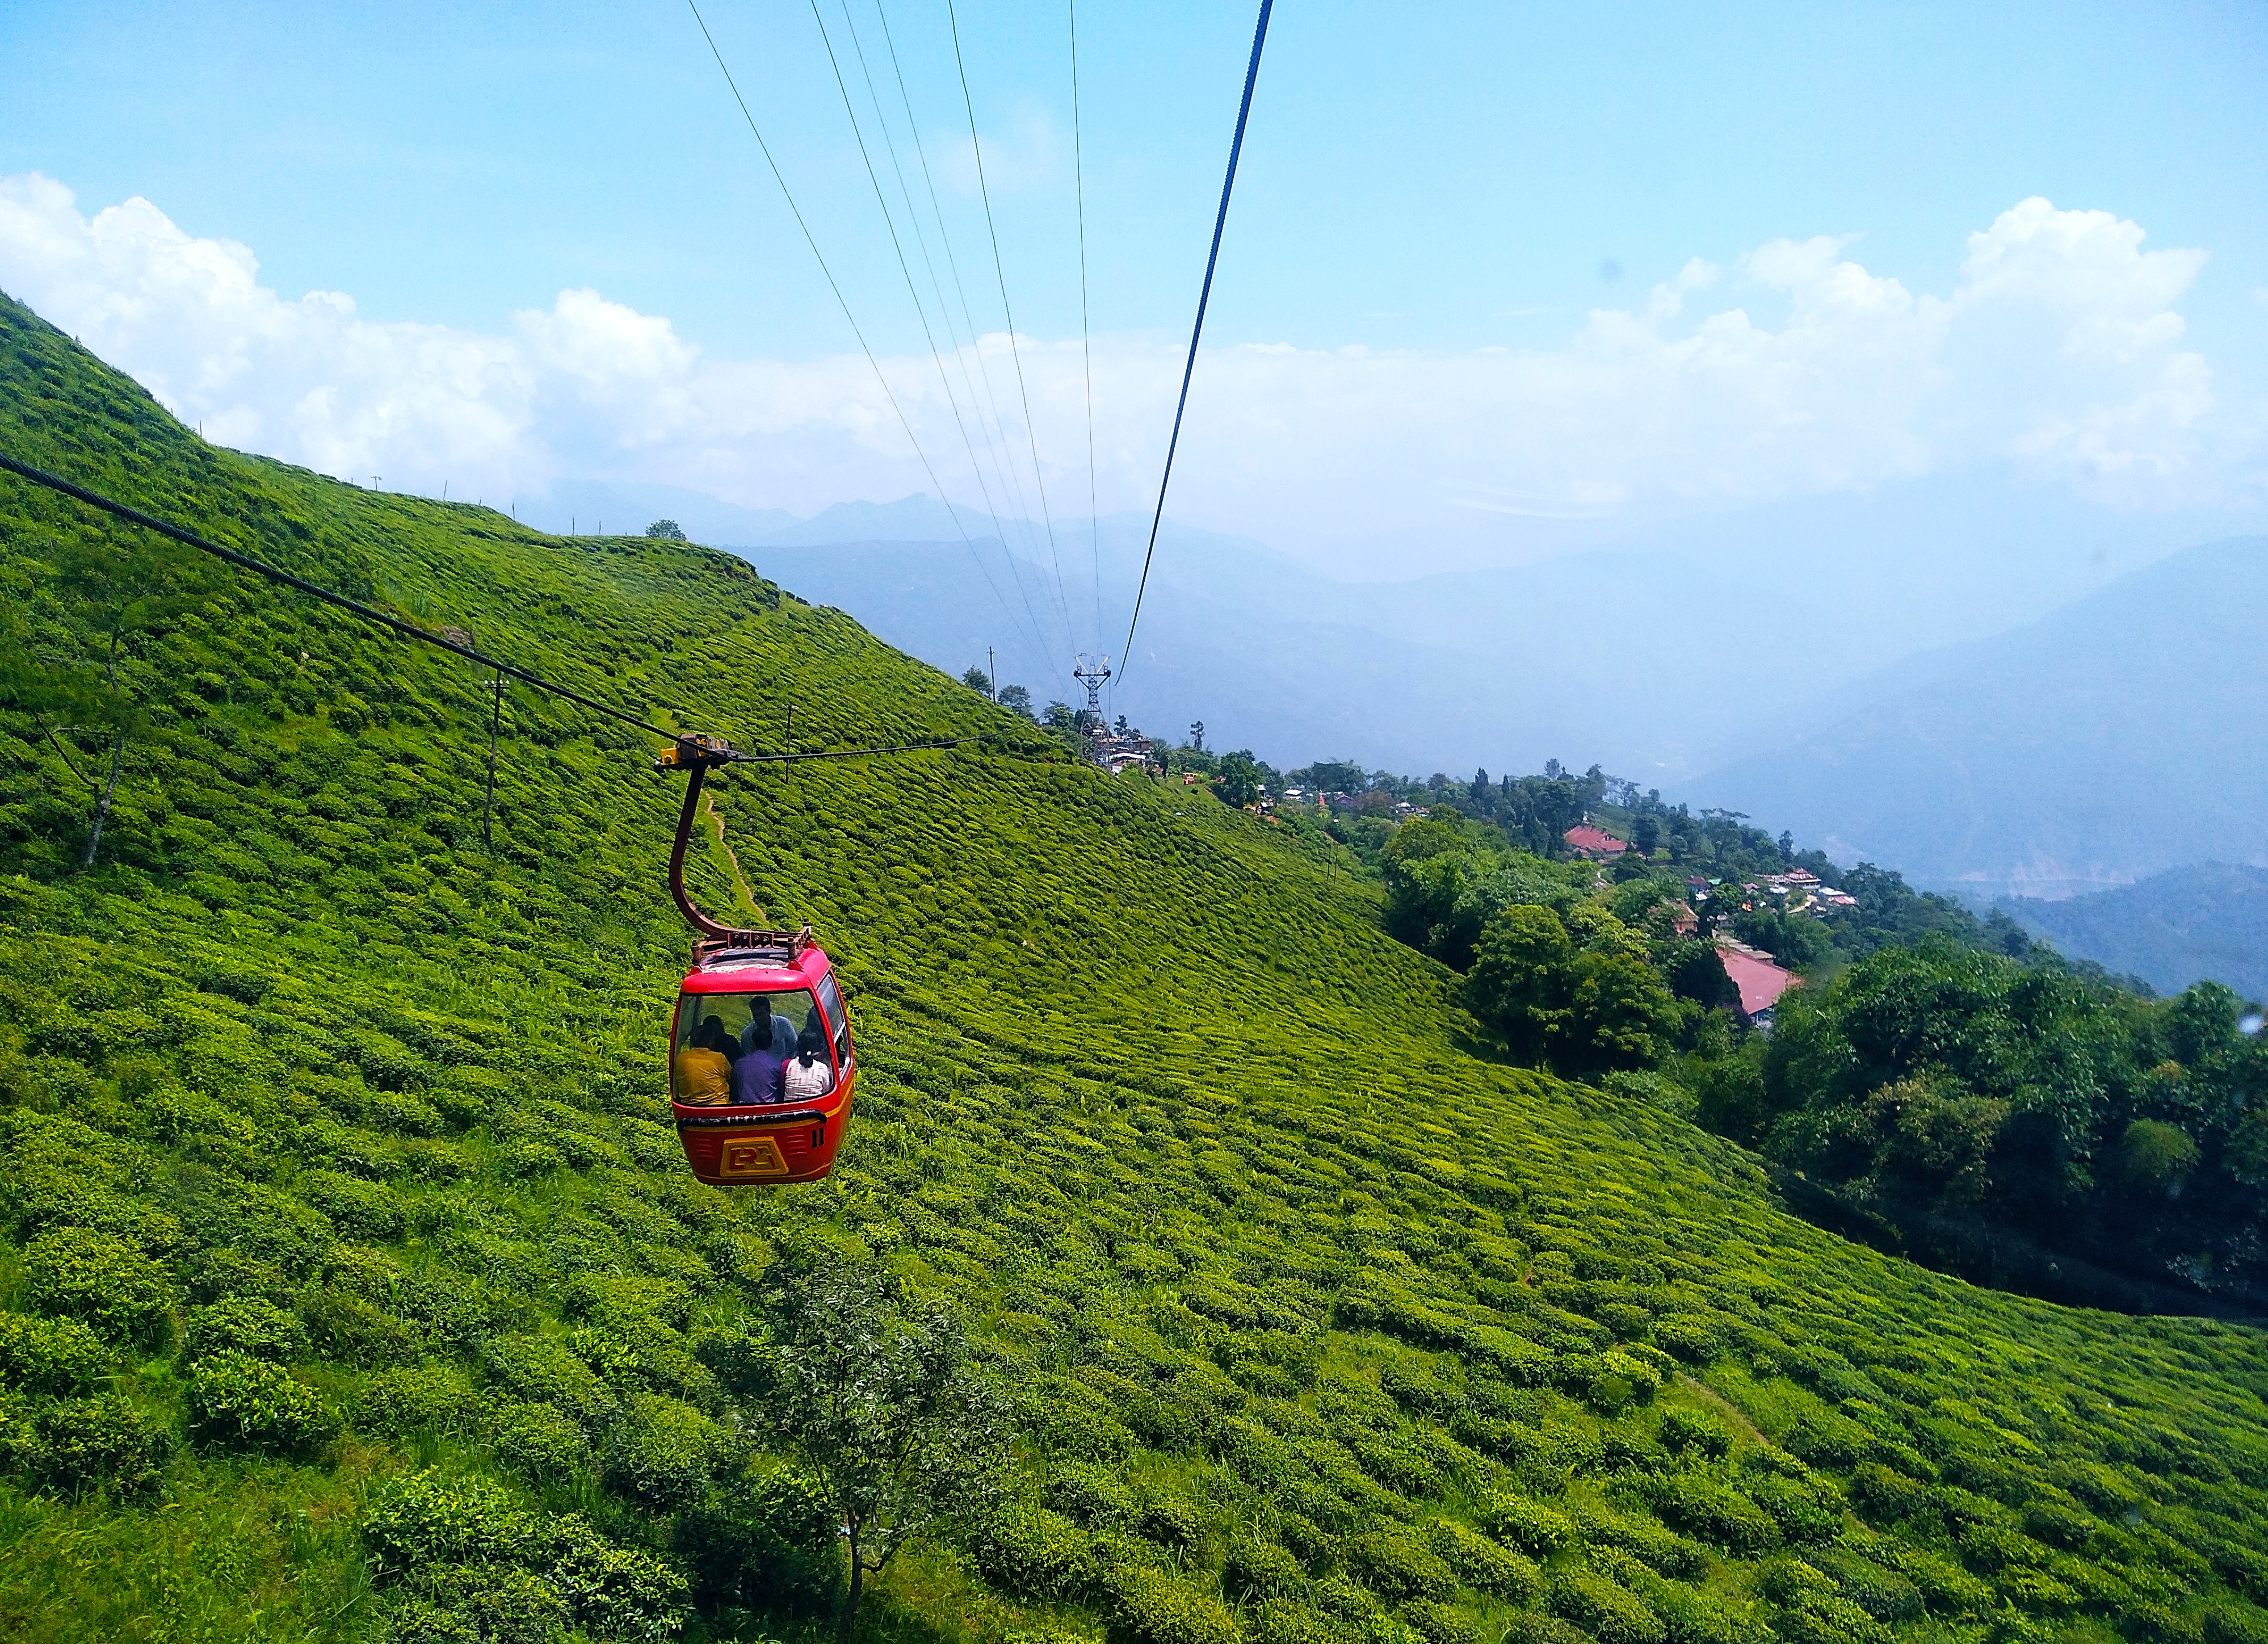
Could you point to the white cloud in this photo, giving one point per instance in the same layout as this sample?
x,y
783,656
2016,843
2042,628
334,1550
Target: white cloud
x,y
2059,354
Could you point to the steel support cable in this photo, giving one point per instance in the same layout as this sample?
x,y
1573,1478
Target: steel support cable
x,y
898,246
1086,332
843,303
1204,296
994,439
410,631
960,287
1015,353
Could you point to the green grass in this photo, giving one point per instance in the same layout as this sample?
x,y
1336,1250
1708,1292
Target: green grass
x,y
1269,1256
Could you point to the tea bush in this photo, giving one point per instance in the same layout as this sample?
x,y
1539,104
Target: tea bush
x,y
251,1325
102,1281
236,1401
55,1356
82,1445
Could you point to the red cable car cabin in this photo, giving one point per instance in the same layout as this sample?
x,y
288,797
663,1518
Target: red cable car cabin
x,y
750,1112
744,1015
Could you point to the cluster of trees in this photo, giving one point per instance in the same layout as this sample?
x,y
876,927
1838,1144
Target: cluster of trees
x,y
2017,1121
1944,1085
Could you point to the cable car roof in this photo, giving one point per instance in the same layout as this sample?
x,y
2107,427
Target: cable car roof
x,y
794,961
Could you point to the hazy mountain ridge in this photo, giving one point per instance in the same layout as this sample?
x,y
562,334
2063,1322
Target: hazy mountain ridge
x,y
2111,740
2209,922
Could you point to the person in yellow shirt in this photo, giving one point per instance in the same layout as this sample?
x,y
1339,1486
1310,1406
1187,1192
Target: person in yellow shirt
x,y
705,1067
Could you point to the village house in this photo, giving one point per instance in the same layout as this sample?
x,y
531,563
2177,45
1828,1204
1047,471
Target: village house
x,y
1760,980
1594,843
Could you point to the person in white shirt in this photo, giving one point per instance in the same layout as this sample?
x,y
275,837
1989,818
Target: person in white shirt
x,y
809,1075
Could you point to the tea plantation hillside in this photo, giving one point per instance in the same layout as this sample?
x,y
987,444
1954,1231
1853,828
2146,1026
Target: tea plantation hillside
x,y
353,1290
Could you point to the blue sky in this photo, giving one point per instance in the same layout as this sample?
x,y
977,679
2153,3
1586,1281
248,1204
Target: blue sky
x,y
1437,204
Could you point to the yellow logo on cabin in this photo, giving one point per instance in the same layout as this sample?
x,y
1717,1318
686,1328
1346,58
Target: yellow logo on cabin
x,y
750,1155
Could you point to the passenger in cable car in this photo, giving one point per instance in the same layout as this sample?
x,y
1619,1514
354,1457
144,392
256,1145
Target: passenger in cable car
x,y
783,1031
704,1066
756,1076
809,1076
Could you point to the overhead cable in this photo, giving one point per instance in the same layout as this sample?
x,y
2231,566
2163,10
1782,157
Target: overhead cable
x,y
896,245
843,302
1015,351
1085,334
1205,295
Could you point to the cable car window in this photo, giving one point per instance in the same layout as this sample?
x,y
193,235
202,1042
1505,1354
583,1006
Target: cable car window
x,y
830,1000
717,1035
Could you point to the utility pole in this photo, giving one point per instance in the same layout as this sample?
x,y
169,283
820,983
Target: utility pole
x,y
790,724
992,674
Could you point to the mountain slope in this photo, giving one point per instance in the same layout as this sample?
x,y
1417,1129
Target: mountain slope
x,y
1320,1326
2208,923
2111,740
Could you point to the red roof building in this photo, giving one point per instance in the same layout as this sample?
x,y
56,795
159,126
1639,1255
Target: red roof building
x,y
1760,981
1585,840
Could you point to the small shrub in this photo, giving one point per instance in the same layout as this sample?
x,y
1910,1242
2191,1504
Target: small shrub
x,y
354,1330
1258,1568
1690,1337
522,1159
1713,1510
613,1591
1156,1607
425,1520
1483,1565
491,1604
245,1324
2234,1624
80,1446
1031,1550
1529,1525
1827,1619
56,1357
1886,1497
238,1402
1532,1628
358,1210
1882,1593
543,1369
102,1281
662,1452
427,1397
1607,1612
1172,1520
1438,1623
538,1442
1398,1564
1683,1430
1807,1511
1094,1497
1281,1621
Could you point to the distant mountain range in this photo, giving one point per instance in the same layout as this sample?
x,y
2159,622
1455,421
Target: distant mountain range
x,y
2110,741
2207,923
1610,657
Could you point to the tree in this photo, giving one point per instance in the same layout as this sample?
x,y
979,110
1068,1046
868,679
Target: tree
x,y
1523,978
665,531
876,1395
1016,699
1645,833
977,680
1238,780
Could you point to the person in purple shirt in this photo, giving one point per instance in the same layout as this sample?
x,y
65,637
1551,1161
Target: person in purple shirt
x,y
757,1077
